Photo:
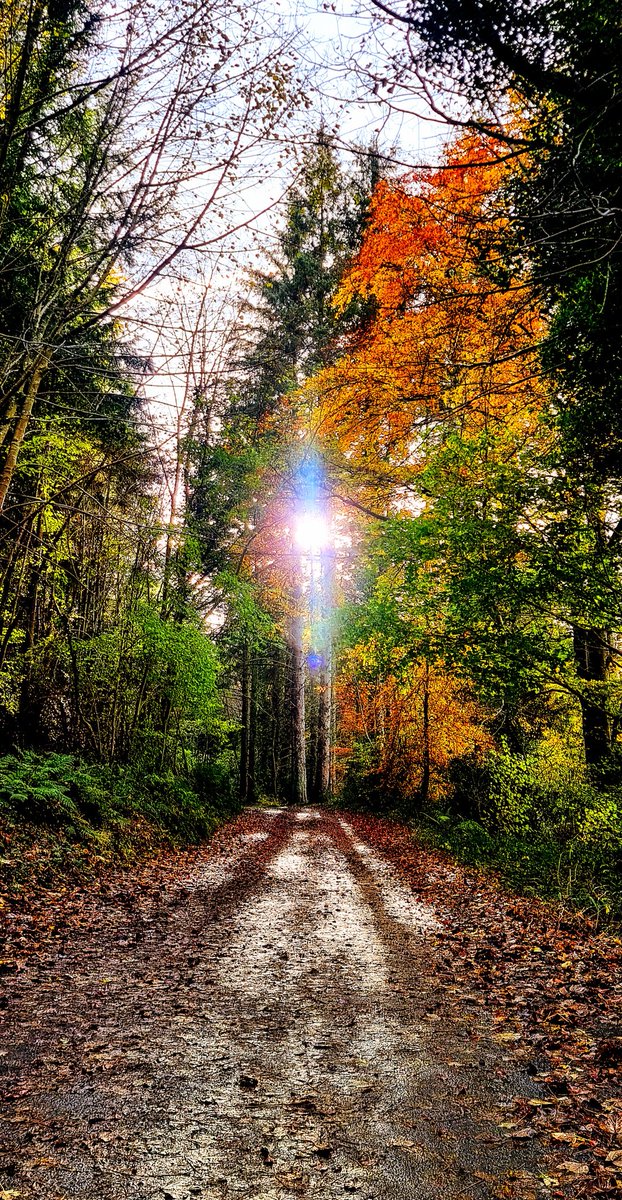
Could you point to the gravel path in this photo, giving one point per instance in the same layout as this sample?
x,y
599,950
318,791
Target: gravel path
x,y
263,1027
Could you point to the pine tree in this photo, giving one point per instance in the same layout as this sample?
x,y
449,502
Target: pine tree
x,y
291,329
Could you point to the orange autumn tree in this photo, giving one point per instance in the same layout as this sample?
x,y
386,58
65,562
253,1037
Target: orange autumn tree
x,y
452,338
384,723
436,393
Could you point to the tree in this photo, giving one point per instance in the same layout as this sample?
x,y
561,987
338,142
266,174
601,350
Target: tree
x,y
294,328
561,64
438,416
118,142
245,478
96,173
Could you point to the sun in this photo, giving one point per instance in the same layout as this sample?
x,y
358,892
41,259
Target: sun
x,y
311,533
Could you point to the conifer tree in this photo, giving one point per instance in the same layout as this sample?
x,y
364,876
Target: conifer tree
x,y
291,329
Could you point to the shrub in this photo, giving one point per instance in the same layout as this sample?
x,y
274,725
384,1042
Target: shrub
x,y
539,819
38,787
472,841
214,780
59,790
365,785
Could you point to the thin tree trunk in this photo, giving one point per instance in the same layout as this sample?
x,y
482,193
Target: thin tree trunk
x,y
312,706
424,788
10,462
593,661
324,746
325,710
285,741
252,731
245,724
277,692
299,754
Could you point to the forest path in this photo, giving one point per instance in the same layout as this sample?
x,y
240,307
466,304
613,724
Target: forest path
x,y
263,1027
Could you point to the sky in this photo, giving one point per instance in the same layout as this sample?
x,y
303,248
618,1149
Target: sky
x,y
330,47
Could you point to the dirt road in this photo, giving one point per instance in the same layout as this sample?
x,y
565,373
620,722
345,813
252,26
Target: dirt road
x,y
264,1027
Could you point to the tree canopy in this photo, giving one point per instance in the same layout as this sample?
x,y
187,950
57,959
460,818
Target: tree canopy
x,y
374,551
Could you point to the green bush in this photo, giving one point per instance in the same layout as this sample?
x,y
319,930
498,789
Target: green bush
x,y
215,781
472,841
59,790
368,788
171,802
38,787
540,820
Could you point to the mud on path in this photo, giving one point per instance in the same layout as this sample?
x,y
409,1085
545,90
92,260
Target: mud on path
x,y
264,1027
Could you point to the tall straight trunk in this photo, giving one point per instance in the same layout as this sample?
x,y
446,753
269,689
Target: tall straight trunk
x,y
325,728
333,736
286,740
299,750
325,710
324,747
424,787
592,650
252,731
274,743
245,723
313,712
15,444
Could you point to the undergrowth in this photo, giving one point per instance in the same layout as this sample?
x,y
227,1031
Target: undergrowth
x,y
63,817
570,873
535,818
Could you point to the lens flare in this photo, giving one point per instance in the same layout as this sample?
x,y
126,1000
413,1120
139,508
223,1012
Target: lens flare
x,y
311,533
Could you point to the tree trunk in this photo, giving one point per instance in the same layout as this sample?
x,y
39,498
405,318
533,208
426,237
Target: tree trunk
x,y
592,651
325,714
251,790
312,715
10,462
324,741
273,773
299,754
245,724
424,787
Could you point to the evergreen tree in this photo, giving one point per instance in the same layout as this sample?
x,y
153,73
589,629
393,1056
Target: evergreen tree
x,y
291,328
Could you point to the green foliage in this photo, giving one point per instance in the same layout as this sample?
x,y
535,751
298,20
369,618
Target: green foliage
x,y
472,842
368,788
174,802
296,325
144,691
363,787
248,619
59,790
539,819
39,789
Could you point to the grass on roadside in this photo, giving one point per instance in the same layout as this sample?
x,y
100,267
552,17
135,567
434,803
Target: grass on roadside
x,y
536,818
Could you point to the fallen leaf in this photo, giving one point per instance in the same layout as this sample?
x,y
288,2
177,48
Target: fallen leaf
x,y
572,1139
574,1168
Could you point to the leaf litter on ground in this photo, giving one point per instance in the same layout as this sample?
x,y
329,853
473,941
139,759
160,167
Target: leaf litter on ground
x,y
551,980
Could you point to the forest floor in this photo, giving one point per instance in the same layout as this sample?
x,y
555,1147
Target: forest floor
x,y
311,1005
